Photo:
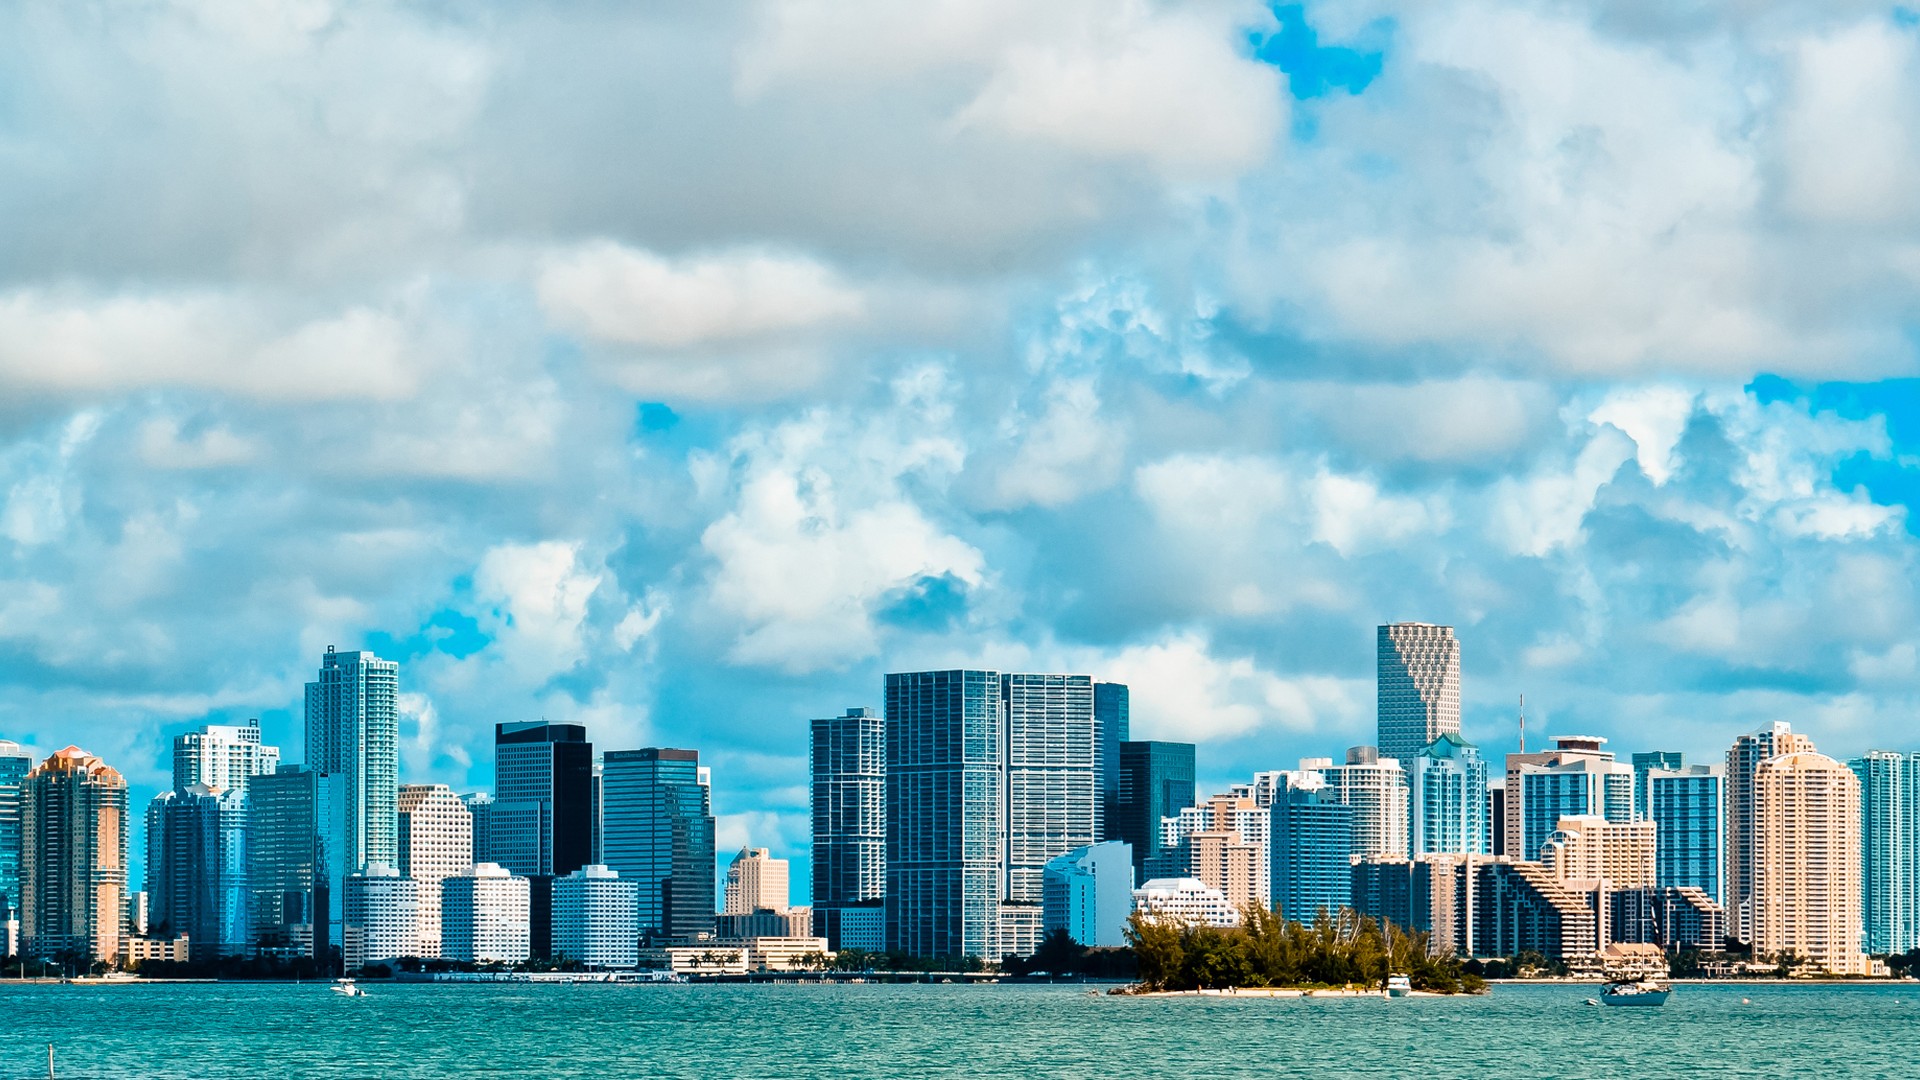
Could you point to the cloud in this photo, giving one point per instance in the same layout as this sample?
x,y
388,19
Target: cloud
x,y
1181,690
1849,131
536,598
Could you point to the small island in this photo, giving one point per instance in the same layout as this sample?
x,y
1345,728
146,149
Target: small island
x,y
1336,950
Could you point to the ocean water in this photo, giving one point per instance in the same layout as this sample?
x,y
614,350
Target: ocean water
x,y
239,1030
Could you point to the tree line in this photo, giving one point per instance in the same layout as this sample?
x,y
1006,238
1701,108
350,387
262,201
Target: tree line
x,y
1336,949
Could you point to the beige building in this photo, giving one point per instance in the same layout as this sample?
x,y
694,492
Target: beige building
x,y
1588,847
134,949
436,843
755,882
74,857
1744,758
1806,861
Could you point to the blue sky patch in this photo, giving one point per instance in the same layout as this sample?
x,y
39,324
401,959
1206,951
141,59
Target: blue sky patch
x,y
1315,70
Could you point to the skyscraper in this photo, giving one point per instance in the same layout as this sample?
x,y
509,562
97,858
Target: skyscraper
x,y
1376,788
380,917
483,916
1311,846
1576,777
197,869
848,756
594,911
1806,861
15,763
1156,781
297,826
657,829
1112,725
1052,774
1890,844
1744,758
1419,687
1644,764
436,843
755,882
541,822
1447,789
946,812
1685,804
74,868
222,756
353,731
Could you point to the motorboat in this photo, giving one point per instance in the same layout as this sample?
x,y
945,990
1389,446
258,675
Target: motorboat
x,y
1399,986
1636,992
347,988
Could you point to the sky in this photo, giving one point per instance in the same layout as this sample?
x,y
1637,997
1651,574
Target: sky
x,y
680,368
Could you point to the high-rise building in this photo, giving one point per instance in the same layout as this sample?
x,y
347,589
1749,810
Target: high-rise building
x,y
1311,845
1575,778
197,870
436,843
15,763
1376,788
1156,782
595,911
223,756
1447,789
946,812
297,828
1589,848
1089,893
353,731
1743,764
755,882
74,869
849,782
1806,861
479,806
541,822
1643,765
1223,842
1890,846
381,916
1684,804
1419,687
483,916
1052,781
657,826
1522,907
1112,725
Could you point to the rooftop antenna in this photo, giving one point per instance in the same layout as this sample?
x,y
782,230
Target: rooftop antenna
x,y
1523,723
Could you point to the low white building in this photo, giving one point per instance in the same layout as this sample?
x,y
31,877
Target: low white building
x,y
381,915
596,918
484,916
1187,900
1018,932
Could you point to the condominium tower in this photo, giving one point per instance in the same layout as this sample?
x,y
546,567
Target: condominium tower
x,y
353,731
1806,861
197,869
15,763
1447,791
436,843
1577,777
74,865
1376,788
1685,804
1310,843
1053,763
223,756
1419,687
483,916
946,812
848,758
657,833
1890,844
1744,759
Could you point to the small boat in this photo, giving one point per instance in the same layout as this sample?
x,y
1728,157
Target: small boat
x,y
1636,992
1399,986
347,988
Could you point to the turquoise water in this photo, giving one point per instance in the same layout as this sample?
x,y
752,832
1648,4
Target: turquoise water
x,y
238,1030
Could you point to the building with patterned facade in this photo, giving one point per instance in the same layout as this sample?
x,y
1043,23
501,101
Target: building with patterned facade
x,y
1418,687
1053,762
1185,900
436,843
848,763
484,916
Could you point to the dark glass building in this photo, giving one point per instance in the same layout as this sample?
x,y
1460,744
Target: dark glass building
x,y
657,829
541,820
1155,781
1111,723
